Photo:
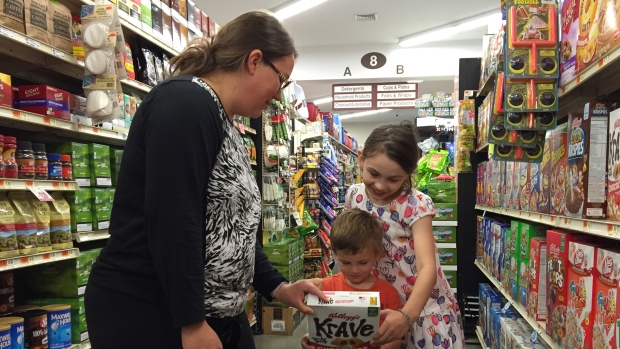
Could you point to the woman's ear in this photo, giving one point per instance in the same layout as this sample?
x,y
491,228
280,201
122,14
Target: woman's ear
x,y
254,58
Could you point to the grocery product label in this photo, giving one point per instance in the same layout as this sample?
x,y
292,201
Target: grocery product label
x,y
579,319
347,320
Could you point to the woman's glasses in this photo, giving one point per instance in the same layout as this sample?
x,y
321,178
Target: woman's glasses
x,y
284,81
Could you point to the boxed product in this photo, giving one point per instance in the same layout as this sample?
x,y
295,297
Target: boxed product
x,y
537,279
344,310
44,100
282,321
6,92
527,231
588,35
81,215
557,282
146,16
545,174
580,281
197,21
156,15
613,167
54,280
184,33
101,208
444,234
587,160
557,187
442,191
135,12
523,193
451,277
191,14
608,27
569,27
80,160
115,164
205,25
100,175
447,256
535,187
515,258
606,282
124,8
176,34
446,212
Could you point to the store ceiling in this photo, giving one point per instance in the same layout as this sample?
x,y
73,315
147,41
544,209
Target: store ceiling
x,y
332,25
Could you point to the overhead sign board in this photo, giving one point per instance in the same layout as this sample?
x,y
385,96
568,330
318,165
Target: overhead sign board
x,y
373,96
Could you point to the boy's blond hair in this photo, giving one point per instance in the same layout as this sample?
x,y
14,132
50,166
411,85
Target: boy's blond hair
x,y
355,230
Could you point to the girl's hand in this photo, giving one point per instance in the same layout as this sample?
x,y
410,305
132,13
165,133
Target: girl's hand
x,y
394,328
305,341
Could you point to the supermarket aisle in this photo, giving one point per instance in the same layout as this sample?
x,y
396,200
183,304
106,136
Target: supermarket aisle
x,y
282,342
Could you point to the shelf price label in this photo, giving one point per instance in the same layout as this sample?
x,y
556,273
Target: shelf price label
x,y
32,42
47,256
6,32
49,121
6,184
587,225
58,53
612,230
40,193
19,115
506,307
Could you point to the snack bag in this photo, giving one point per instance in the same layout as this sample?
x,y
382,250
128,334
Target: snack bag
x,y
348,320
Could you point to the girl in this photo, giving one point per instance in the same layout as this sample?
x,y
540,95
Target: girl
x,y
430,317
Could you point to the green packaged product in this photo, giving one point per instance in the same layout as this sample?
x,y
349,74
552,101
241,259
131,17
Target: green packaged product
x,y
442,191
80,202
447,256
80,160
101,208
115,164
308,225
438,161
53,280
446,212
444,234
100,174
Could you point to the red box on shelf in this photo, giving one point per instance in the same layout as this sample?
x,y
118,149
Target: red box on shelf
x,y
205,24
580,284
44,100
536,285
606,312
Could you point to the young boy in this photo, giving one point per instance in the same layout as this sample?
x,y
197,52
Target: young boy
x,y
357,243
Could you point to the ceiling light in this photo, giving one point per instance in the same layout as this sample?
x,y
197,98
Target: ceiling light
x,y
364,113
448,30
296,7
322,100
414,81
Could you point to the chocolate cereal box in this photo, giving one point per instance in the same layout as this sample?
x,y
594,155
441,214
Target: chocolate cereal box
x,y
613,167
580,282
347,320
557,185
606,277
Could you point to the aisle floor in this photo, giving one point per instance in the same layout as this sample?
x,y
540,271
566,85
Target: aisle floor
x,y
293,342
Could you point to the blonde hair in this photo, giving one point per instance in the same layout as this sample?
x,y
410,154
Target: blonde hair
x,y
229,49
354,230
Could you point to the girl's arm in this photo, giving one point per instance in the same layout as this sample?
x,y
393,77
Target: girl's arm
x,y
424,244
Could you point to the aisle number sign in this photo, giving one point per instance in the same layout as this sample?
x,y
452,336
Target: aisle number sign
x,y
373,96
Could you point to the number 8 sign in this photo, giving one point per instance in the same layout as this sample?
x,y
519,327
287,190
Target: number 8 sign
x,y
373,60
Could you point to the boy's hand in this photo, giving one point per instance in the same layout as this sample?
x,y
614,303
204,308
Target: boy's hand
x,y
294,295
394,327
305,341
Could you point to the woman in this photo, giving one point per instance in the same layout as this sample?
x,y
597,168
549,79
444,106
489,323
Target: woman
x,y
183,248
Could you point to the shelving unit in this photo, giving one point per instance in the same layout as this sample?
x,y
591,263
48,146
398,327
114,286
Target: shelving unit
x,y
334,141
7,264
481,337
23,184
91,236
539,326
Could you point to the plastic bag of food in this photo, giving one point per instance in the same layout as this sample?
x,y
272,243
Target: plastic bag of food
x,y
308,225
438,160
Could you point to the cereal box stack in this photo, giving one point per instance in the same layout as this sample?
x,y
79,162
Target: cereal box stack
x,y
348,320
606,277
527,232
613,167
580,283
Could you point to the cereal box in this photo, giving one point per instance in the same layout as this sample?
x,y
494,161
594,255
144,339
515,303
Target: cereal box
x,y
523,193
586,160
545,173
557,187
580,282
537,279
568,40
608,26
479,238
527,232
587,36
613,167
508,182
606,277
515,246
348,320
535,187
557,283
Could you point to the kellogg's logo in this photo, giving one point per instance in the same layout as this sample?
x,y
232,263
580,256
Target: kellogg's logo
x,y
608,267
579,258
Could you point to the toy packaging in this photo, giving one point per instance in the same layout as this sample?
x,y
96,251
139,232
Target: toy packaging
x,y
568,40
447,256
348,320
519,154
613,167
527,231
531,96
531,121
586,161
537,280
483,120
558,176
580,282
606,277
588,33
500,135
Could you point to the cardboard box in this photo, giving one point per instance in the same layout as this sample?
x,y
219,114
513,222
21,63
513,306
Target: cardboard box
x,y
44,100
6,92
446,212
495,183
80,160
157,18
508,183
523,198
135,12
545,174
557,187
569,28
281,321
100,174
166,22
537,278
451,277
479,238
557,281
515,258
124,9
447,256
146,16
102,208
613,167
587,161
535,187
205,24
191,15
608,27
444,234
527,231
176,34
587,35
580,281
606,282
54,280
354,309
81,215
197,21
184,33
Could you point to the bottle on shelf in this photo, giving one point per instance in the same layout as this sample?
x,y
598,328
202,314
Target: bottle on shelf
x,y
54,166
25,160
67,168
40,161
8,155
2,168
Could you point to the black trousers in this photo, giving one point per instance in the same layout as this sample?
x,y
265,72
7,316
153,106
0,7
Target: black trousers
x,y
116,321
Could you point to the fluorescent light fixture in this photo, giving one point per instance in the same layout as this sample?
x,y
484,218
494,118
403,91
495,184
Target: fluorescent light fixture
x,y
322,100
447,31
414,81
296,7
364,113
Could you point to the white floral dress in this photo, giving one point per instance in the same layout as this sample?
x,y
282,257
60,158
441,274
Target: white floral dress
x,y
440,325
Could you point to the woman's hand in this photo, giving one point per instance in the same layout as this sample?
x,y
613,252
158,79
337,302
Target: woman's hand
x,y
305,341
394,328
294,295
200,336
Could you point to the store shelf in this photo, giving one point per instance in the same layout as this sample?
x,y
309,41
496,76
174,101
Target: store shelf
x,y
488,85
445,224
334,141
84,345
539,326
253,322
304,121
91,236
598,227
39,123
250,130
38,258
137,85
23,184
481,337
